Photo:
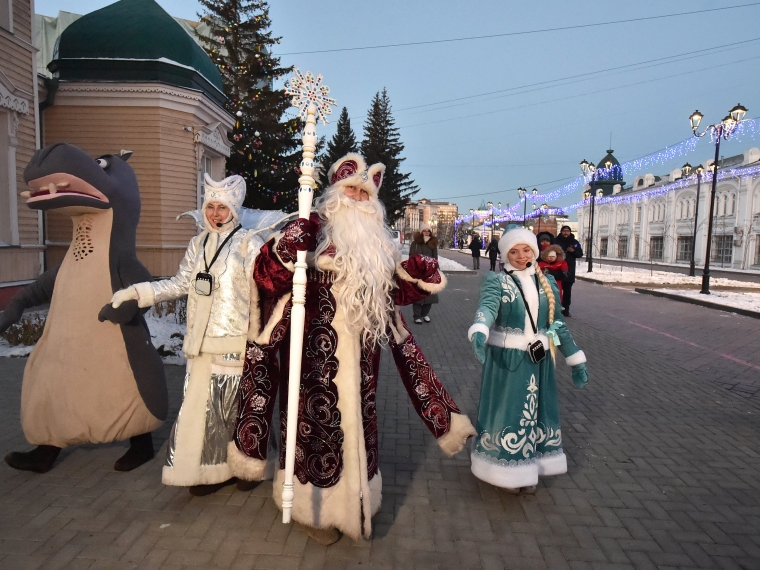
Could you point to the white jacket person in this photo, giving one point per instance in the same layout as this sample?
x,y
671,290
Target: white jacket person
x,y
218,286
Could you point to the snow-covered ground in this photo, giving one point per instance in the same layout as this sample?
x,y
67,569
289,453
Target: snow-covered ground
x,y
443,262
737,299
613,274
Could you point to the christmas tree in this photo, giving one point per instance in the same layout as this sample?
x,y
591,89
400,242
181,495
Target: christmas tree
x,y
382,143
266,142
343,142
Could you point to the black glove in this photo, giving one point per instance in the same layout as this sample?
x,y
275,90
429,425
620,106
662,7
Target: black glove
x,y
11,315
127,311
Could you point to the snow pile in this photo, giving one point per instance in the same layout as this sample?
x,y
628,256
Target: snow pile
x,y
736,299
613,274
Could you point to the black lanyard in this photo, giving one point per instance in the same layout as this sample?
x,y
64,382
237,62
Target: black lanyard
x,y
219,249
527,308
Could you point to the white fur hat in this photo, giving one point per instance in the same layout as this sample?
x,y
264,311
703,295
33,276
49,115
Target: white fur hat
x,y
230,192
424,226
517,236
351,170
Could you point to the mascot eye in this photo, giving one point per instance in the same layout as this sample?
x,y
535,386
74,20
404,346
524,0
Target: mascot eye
x,y
102,162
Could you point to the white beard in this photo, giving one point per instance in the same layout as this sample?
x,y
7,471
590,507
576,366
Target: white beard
x,y
365,261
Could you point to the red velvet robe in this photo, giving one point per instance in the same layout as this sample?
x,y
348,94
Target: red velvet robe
x,y
337,478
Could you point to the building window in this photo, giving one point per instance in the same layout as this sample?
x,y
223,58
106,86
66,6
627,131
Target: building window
x,y
635,247
722,249
656,247
638,214
684,248
6,15
7,212
603,247
623,247
757,249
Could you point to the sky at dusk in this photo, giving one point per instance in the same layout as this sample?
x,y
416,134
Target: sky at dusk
x,y
479,118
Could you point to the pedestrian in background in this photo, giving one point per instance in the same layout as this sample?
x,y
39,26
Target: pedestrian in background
x,y
566,240
424,243
545,239
492,251
475,249
515,336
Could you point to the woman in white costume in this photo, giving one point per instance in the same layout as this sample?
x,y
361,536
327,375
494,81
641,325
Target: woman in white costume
x,y
216,275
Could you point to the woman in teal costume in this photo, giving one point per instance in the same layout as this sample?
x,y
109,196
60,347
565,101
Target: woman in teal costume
x,y
519,434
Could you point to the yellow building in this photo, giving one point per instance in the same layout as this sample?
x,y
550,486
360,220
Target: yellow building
x,y
129,76
20,228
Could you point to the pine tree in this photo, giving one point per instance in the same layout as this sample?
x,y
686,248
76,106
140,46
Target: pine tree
x,y
343,142
266,143
382,143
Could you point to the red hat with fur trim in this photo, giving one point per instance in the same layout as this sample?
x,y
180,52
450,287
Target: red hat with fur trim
x,y
351,170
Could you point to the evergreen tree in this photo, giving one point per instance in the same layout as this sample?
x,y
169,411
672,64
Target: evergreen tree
x,y
382,143
343,142
266,143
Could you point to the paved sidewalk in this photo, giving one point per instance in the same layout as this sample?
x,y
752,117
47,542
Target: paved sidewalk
x,y
663,467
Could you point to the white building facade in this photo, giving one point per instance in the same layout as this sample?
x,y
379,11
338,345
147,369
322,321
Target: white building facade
x,y
653,220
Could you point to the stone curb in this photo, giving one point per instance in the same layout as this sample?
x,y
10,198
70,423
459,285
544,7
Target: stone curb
x,y
708,304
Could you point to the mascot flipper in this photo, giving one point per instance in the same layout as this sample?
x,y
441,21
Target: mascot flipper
x,y
88,381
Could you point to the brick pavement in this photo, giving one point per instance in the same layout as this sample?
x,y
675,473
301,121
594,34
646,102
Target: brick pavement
x,y
663,469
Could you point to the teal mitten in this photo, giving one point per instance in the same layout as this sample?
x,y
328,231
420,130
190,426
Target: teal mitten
x,y
580,375
479,346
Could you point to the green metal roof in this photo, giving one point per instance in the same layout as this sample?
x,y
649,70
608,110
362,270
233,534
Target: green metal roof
x,y
134,40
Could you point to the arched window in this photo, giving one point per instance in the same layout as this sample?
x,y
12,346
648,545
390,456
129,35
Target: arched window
x,y
733,204
722,205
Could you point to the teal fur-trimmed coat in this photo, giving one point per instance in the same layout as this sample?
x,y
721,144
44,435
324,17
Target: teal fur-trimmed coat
x,y
519,434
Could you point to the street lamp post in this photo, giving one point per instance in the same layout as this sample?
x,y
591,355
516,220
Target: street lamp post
x,y
589,172
723,129
521,192
687,168
472,224
490,205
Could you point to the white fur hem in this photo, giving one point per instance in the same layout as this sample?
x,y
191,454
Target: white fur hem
x,y
201,475
577,358
146,296
246,467
478,327
552,465
509,477
455,439
322,507
431,288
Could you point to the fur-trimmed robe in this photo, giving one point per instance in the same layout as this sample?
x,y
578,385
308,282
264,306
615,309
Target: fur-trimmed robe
x,y
337,479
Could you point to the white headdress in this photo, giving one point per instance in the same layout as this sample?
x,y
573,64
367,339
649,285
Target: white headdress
x,y
515,237
351,170
230,192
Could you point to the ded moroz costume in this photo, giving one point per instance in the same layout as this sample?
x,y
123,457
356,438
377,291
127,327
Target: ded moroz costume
x,y
519,434
356,282
216,275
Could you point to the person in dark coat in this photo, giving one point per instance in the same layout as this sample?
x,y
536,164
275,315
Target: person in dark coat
x,y
424,243
572,248
493,252
474,247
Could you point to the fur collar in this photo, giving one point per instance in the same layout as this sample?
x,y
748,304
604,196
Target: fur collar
x,y
432,243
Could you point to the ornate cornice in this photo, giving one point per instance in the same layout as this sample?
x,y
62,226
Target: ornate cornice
x,y
94,88
11,97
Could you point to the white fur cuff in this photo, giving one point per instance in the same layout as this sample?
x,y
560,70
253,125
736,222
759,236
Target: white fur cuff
x,y
146,294
246,467
460,431
577,358
478,327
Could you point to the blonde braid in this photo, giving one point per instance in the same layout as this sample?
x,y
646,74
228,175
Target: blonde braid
x,y
552,306
549,294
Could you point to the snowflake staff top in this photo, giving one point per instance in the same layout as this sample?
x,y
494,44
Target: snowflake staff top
x,y
307,89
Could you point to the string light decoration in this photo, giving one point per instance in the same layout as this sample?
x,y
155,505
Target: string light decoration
x,y
747,129
307,89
